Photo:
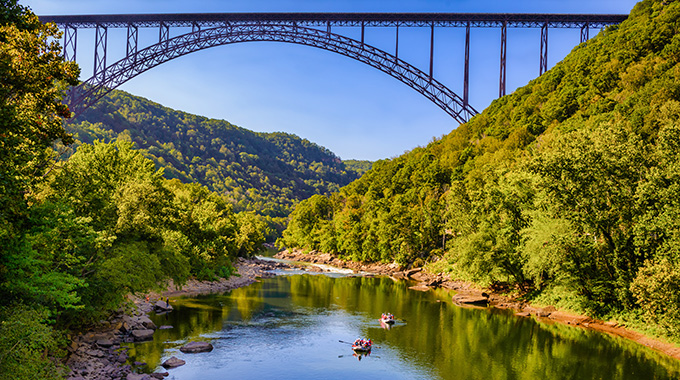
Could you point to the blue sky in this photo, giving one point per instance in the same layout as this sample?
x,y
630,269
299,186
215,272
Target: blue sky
x,y
346,106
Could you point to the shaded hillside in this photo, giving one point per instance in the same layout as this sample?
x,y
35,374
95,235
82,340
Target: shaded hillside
x,y
263,172
567,189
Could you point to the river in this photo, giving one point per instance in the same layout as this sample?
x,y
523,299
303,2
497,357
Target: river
x,y
294,326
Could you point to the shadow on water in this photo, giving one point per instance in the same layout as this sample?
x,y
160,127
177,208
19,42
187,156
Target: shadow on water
x,y
290,326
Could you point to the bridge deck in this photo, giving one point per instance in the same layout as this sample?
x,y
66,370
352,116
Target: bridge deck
x,y
517,20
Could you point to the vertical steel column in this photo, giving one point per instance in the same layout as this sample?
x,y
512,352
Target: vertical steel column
x,y
132,34
362,34
466,75
585,29
396,45
70,42
195,27
328,29
543,64
431,48
163,32
99,49
504,46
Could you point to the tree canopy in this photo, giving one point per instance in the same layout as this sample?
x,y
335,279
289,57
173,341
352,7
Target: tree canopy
x,y
565,188
265,173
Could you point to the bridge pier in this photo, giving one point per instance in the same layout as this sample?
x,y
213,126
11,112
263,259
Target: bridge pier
x,y
504,48
585,32
466,70
543,65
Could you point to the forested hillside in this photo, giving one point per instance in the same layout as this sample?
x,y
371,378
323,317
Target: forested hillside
x,y
262,172
568,189
78,235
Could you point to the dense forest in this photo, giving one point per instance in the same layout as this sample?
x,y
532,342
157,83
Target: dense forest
x,y
567,190
266,173
78,235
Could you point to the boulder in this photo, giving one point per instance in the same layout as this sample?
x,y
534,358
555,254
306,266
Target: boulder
x,y
173,362
540,312
137,376
162,306
95,353
141,335
165,327
421,288
146,322
470,299
411,272
195,347
105,342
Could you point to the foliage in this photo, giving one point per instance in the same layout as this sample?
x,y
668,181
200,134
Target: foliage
x,y
33,78
358,166
28,344
266,173
657,289
568,187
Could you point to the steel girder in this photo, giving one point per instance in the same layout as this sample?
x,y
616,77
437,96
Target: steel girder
x,y
70,43
207,20
100,49
132,65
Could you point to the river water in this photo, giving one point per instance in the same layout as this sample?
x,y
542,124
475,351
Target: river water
x,y
294,326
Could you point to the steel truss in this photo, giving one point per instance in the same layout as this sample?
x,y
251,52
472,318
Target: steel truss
x,y
299,28
100,84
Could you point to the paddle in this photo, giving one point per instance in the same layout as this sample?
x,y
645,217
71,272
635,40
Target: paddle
x,y
354,356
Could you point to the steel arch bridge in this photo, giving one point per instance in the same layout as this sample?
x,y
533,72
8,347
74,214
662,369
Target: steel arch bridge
x,y
216,29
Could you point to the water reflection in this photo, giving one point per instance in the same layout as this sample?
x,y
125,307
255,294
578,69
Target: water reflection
x,y
292,326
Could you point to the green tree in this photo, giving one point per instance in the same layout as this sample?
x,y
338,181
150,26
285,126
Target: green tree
x,y
592,177
33,77
252,230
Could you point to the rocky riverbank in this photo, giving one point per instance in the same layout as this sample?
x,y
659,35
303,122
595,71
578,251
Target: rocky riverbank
x,y
469,295
98,353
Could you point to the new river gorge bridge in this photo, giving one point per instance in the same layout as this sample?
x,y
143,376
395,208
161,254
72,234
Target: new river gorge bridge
x,y
310,29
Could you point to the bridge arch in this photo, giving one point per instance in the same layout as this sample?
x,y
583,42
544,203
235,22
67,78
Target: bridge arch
x,y
88,92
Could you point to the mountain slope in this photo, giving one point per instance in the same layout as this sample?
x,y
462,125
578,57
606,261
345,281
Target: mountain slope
x,y
567,189
263,172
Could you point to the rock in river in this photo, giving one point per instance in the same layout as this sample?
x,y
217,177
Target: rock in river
x,y
140,335
469,299
173,362
194,347
162,306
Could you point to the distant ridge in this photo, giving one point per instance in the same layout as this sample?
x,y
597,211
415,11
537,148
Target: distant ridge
x,y
263,172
